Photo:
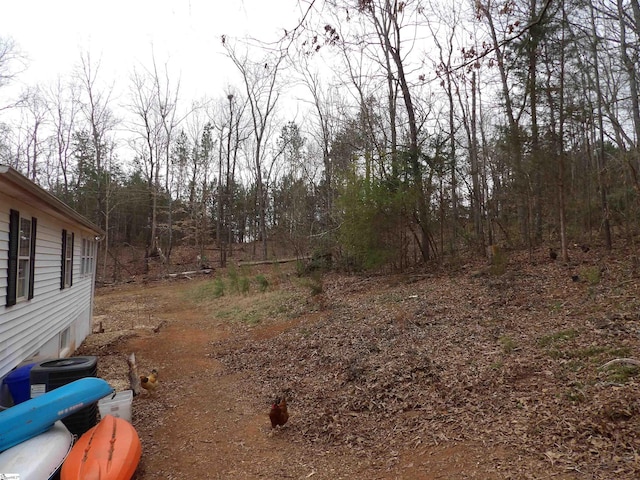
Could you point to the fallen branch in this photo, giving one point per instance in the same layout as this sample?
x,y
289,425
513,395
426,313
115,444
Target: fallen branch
x,y
615,361
267,262
204,271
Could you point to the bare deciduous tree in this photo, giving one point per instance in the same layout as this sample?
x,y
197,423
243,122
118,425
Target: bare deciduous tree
x,y
260,82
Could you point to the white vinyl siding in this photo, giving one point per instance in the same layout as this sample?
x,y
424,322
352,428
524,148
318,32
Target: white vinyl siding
x,y
27,326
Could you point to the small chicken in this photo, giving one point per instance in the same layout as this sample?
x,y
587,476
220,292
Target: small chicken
x,y
278,414
149,382
553,254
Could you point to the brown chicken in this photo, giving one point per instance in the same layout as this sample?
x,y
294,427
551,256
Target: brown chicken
x,y
149,382
278,414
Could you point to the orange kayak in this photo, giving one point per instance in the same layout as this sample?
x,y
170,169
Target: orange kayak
x,y
109,451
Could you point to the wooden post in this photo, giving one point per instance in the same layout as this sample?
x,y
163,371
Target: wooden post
x,y
134,378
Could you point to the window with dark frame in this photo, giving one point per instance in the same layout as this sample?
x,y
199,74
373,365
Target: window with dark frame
x,y
22,253
66,270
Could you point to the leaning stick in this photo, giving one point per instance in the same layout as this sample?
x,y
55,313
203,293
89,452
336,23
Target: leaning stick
x,y
134,378
615,361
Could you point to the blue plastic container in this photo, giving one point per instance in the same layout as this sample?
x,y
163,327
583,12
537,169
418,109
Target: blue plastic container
x,y
19,384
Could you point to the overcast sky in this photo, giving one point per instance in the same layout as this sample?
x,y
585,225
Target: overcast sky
x,y
122,33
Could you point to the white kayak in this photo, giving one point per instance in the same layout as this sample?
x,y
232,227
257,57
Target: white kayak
x,y
39,457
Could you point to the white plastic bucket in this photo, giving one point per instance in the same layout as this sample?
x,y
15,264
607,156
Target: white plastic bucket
x,y
118,405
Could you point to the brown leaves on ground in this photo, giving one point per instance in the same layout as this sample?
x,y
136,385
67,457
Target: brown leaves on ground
x,y
470,374
511,361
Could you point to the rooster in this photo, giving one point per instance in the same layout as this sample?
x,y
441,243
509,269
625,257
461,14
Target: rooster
x,y
149,382
278,414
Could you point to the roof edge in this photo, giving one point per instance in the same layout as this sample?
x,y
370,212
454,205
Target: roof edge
x,y
17,178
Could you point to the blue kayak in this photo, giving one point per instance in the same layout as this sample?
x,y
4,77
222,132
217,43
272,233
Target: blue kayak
x,y
33,417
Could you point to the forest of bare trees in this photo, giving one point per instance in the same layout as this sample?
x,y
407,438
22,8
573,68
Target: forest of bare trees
x,y
429,129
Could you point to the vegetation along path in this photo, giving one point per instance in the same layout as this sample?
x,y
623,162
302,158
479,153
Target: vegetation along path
x,y
476,374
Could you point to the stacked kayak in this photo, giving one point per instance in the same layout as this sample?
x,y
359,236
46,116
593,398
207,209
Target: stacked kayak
x,y
39,457
109,451
33,417
34,443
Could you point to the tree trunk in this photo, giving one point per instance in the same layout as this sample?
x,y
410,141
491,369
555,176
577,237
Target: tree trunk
x,y
532,46
601,159
561,157
515,141
475,169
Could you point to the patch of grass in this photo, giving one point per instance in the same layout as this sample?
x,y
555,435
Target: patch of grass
x,y
589,352
622,373
218,288
205,291
592,352
620,352
575,393
278,274
234,278
255,309
574,366
507,343
251,318
314,283
392,297
300,268
561,336
305,332
578,353
556,307
244,285
591,274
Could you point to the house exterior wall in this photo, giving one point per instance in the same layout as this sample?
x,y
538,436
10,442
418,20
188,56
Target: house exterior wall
x,y
55,321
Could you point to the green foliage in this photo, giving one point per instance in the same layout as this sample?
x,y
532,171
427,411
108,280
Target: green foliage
x,y
206,291
622,373
507,343
234,278
300,268
263,283
374,213
244,285
314,283
219,288
319,262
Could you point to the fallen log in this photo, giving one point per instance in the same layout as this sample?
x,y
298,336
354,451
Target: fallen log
x,y
204,271
269,262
